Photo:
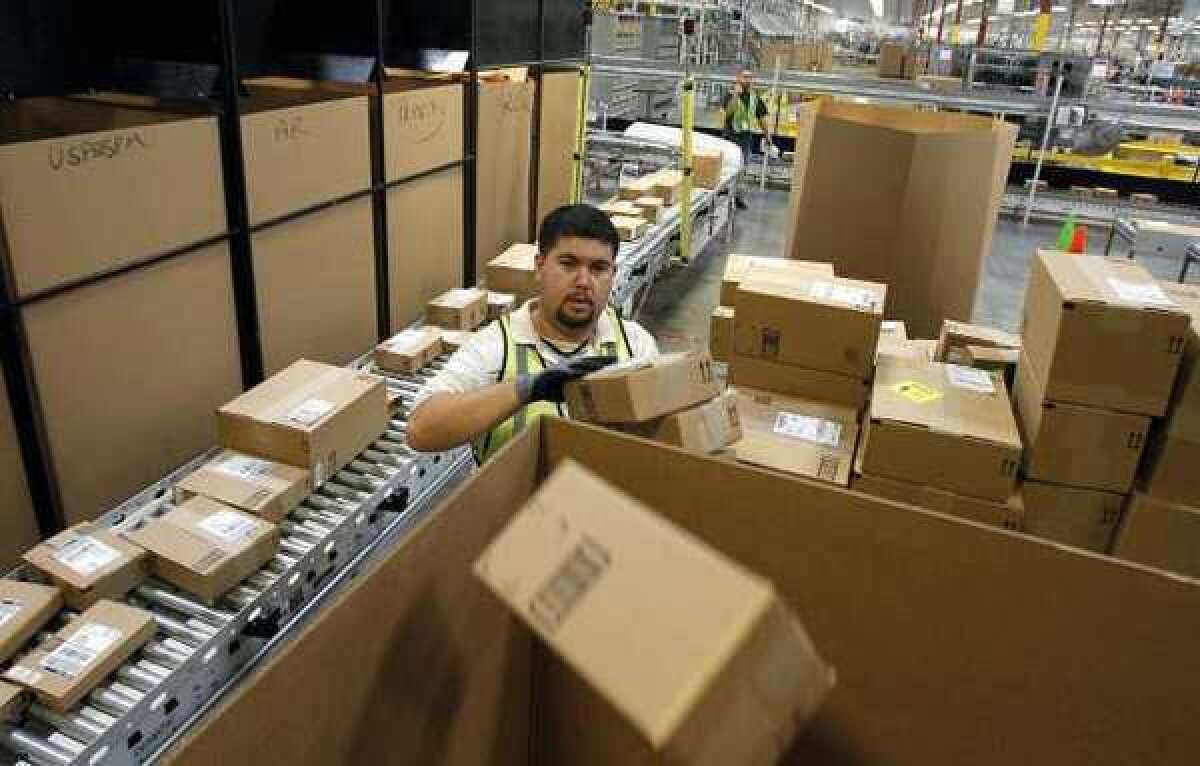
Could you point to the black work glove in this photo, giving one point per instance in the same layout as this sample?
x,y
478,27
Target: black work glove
x,y
547,386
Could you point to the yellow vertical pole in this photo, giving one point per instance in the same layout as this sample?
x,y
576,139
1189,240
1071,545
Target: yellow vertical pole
x,y
585,86
685,204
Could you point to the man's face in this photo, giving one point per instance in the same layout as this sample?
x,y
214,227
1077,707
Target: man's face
x,y
745,80
576,278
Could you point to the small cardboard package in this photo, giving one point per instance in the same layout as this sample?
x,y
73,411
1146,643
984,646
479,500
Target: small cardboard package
x,y
500,304
720,334
620,207
310,415
1010,514
638,391
1101,332
805,438
453,340
798,382
13,702
1083,518
706,169
611,588
737,268
1076,445
268,489
25,608
946,426
629,228
205,547
463,308
88,563
650,208
1160,534
706,428
408,351
956,336
814,321
62,671
514,271
667,184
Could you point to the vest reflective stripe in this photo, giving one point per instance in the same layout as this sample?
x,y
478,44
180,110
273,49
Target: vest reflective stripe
x,y
525,359
744,114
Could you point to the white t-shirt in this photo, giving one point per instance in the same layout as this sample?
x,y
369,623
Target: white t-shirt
x,y
478,362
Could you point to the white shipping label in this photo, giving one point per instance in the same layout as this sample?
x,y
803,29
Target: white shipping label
x,y
310,411
1140,292
970,379
228,525
250,469
407,341
8,610
854,297
86,555
81,650
809,429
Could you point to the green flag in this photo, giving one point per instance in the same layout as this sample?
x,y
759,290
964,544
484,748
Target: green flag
x,y
1067,233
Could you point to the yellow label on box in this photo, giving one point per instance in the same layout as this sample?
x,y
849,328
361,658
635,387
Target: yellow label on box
x,y
917,391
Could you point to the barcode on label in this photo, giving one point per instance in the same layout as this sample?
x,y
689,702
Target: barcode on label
x,y
228,525
809,429
73,657
8,610
827,467
577,575
310,411
854,297
86,555
970,378
407,341
248,468
1140,292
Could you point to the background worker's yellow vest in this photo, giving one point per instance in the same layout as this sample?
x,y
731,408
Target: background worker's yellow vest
x,y
525,359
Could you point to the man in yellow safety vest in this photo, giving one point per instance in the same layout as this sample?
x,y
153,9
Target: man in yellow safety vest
x,y
744,109
513,371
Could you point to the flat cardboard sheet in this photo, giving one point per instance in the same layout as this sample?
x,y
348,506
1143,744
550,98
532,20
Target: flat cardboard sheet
x,y
1083,518
556,139
1160,534
423,126
502,162
425,242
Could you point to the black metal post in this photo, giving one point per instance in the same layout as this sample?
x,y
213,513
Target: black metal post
x,y
383,290
535,138
470,146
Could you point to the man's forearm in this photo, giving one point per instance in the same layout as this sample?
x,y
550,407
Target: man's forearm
x,y
445,421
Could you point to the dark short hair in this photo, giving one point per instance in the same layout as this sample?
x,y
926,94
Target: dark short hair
x,y
583,221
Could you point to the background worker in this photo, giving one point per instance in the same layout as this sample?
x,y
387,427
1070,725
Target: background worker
x,y
513,371
743,109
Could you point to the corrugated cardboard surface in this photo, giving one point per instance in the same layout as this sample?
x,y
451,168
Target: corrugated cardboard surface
x,y
1183,420
798,381
36,604
1010,514
925,429
13,701
88,187
705,428
920,213
422,127
738,267
639,391
129,372
956,337
18,527
720,334
1160,534
1084,518
983,625
515,271
502,168
315,278
1095,347
301,148
556,133
409,350
425,242
1076,445
83,584
265,488
802,437
463,308
1170,469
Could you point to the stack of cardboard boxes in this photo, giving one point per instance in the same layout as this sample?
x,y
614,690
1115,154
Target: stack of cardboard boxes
x,y
1102,346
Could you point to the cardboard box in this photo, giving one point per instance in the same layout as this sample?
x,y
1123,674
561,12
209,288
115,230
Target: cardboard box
x,y
88,563
18,525
730,678
1083,518
942,425
1076,445
705,428
101,187
458,309
557,132
668,185
25,608
1183,415
206,547
631,189
1001,360
425,242
13,702
62,671
818,322
409,350
310,415
637,391
265,488
1009,514
956,337
453,340
650,208
629,229
893,60
799,382
620,207
1101,332
974,615
500,304
1170,468
920,211
801,437
515,271
737,267
1160,534
706,169
720,334
893,330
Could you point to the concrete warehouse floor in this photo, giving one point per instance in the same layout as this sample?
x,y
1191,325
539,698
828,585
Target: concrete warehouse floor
x,y
678,309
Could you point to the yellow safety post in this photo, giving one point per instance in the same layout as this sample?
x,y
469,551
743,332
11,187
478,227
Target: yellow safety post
x,y
685,204
585,85
1041,29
